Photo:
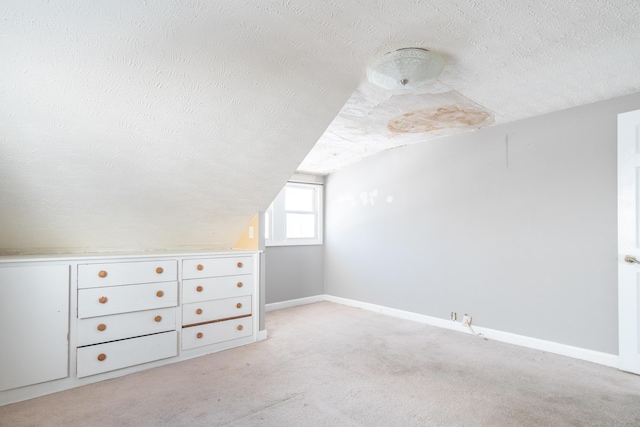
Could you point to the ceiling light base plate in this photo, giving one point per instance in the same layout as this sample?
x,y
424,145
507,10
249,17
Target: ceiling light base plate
x,y
405,68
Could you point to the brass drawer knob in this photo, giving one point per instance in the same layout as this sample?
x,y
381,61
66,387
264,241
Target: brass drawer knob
x,y
199,311
240,327
102,274
239,284
158,318
240,265
102,327
102,357
200,267
159,270
199,335
103,300
159,294
238,305
199,289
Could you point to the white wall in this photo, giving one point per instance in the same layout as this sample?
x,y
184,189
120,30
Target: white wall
x,y
513,224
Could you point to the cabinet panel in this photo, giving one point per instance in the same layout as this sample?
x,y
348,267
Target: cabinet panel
x,y
211,333
120,354
121,299
206,311
215,267
119,326
216,287
126,273
34,314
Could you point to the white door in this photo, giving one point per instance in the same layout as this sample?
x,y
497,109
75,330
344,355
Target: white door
x,y
629,240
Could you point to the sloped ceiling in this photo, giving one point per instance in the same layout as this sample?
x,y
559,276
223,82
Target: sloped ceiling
x,y
164,125
505,61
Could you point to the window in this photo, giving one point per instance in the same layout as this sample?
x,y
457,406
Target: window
x,y
295,216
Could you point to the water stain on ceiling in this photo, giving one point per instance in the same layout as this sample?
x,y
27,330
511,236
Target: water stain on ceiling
x,y
374,119
432,119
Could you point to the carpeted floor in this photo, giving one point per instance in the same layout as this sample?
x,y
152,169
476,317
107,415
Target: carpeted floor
x,y
330,365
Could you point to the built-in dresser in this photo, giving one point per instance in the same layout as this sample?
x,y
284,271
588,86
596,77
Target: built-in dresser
x,y
70,321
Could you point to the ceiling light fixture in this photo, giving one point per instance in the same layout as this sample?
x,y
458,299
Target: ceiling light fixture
x,y
405,68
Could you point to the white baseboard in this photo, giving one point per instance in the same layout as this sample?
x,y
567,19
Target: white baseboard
x,y
293,303
261,336
507,337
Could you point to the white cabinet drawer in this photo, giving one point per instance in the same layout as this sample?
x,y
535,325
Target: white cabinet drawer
x,y
215,267
119,326
211,333
122,299
206,311
126,273
216,287
100,358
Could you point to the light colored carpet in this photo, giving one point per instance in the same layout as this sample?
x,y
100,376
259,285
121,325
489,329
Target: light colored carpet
x,y
329,365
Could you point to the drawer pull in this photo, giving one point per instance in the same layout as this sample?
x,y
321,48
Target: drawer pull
x,y
240,327
159,294
103,300
199,335
102,357
158,318
200,267
102,327
199,311
102,274
239,305
239,284
240,265
159,270
199,289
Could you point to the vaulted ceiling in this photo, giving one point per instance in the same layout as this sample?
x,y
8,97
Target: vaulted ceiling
x,y
167,124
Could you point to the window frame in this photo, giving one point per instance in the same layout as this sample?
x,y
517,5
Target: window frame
x,y
276,214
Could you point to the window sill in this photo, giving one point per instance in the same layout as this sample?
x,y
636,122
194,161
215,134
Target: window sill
x,y
293,244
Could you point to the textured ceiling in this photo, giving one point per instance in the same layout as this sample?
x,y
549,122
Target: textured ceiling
x,y
167,124
509,60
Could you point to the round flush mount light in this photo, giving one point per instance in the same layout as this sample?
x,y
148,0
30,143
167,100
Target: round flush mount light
x,y
405,68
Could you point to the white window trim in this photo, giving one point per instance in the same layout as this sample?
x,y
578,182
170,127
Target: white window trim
x,y
277,214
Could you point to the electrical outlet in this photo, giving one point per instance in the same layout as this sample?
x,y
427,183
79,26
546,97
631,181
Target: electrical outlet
x,y
466,320
454,316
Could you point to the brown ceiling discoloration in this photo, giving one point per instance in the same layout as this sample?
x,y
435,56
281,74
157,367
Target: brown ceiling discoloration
x,y
433,119
375,119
